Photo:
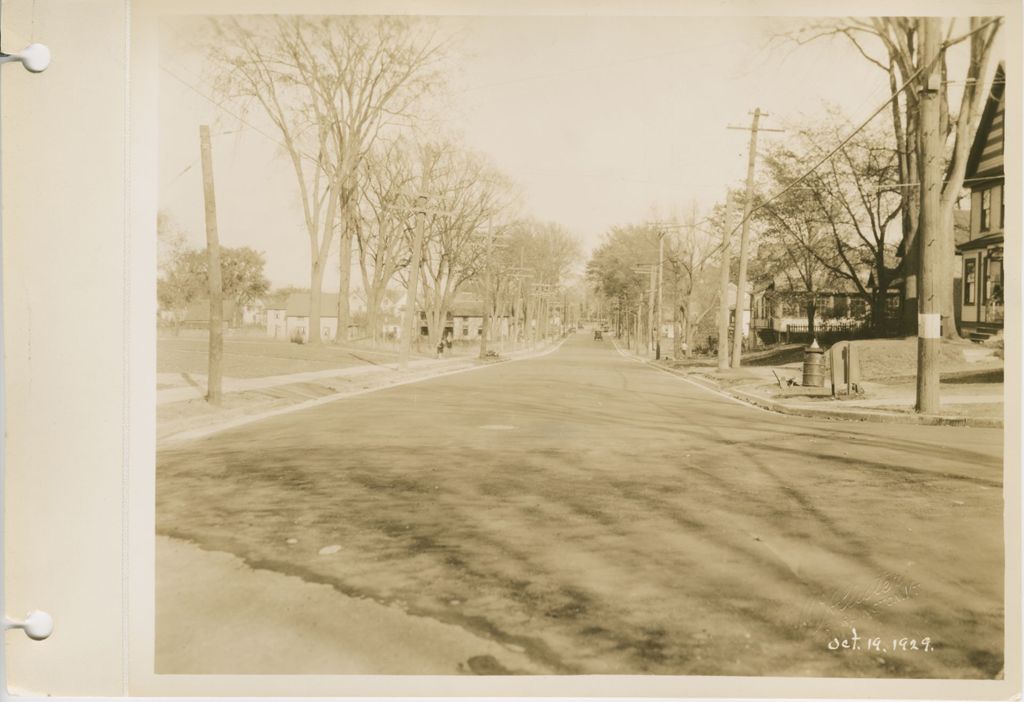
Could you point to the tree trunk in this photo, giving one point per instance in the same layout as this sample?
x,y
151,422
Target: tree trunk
x,y
373,317
344,284
908,265
677,331
878,311
316,279
947,272
811,309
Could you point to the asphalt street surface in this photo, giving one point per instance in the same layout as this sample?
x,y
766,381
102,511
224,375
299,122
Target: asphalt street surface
x,y
594,514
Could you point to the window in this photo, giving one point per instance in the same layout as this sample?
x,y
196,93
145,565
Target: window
x,y
985,216
993,281
858,307
1002,208
970,280
840,306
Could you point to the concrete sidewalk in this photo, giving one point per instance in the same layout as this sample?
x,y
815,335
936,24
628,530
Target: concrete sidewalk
x,y
183,392
963,403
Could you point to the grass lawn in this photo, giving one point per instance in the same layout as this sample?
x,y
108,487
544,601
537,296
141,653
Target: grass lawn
x,y
880,360
255,357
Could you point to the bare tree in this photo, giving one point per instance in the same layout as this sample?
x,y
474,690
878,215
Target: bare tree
x,y
467,193
329,85
544,251
689,250
892,44
382,234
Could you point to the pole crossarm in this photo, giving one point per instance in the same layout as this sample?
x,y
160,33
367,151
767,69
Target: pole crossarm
x,y
660,226
418,210
760,129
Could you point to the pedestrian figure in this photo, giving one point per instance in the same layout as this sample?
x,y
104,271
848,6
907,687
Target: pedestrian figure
x,y
440,348
448,341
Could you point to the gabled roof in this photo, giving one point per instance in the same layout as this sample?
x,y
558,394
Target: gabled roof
x,y
991,119
275,302
467,304
199,310
298,305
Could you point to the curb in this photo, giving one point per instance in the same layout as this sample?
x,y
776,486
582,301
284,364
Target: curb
x,y
187,435
843,415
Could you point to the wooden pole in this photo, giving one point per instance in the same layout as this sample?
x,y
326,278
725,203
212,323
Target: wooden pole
x,y
216,349
723,288
660,314
488,281
741,282
410,326
408,323
929,327
650,311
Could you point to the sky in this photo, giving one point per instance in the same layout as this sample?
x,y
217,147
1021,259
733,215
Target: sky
x,y
600,121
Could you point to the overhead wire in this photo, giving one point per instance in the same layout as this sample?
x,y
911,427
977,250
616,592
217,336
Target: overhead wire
x,y
906,84
219,105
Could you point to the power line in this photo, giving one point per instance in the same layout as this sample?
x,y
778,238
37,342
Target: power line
x,y
220,106
867,121
834,151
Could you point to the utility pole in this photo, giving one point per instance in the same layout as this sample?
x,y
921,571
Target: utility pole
x,y
490,299
214,373
650,310
723,288
651,270
639,333
660,313
737,329
488,281
929,331
662,229
414,280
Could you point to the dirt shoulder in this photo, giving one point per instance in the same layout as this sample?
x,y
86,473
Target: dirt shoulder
x,y
256,620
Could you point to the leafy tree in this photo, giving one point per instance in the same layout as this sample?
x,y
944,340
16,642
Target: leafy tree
x,y
184,279
242,276
181,270
182,282
841,223
612,270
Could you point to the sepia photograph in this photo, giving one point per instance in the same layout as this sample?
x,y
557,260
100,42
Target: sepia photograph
x,y
560,345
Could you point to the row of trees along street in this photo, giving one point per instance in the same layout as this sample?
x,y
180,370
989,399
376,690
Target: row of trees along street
x,y
833,202
344,98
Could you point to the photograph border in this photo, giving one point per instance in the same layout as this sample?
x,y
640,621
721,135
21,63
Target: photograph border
x,y
140,472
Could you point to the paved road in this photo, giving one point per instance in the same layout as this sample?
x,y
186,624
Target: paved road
x,y
590,514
